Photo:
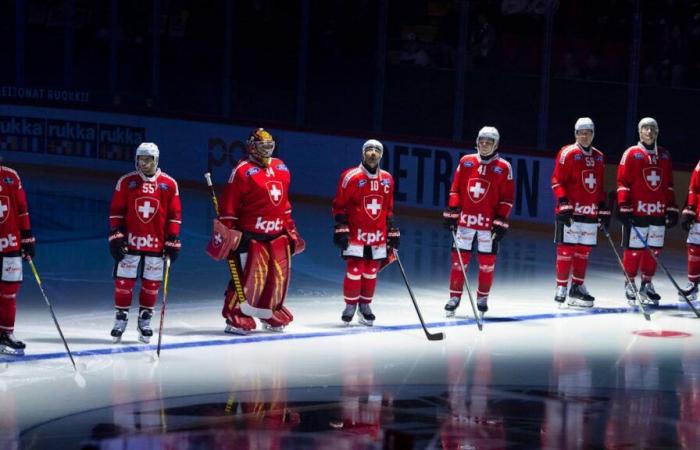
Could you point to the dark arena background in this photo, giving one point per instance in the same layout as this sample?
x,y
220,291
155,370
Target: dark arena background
x,y
83,83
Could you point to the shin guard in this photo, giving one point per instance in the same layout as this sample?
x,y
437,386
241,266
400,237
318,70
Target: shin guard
x,y
580,263
565,255
352,284
487,264
648,264
456,274
369,280
148,295
8,305
693,263
123,292
630,260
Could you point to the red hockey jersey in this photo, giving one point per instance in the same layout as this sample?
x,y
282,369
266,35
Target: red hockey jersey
x,y
645,181
482,190
368,201
256,198
14,216
694,191
579,176
147,210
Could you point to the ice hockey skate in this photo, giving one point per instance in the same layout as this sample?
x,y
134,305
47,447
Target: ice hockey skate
x,y
9,345
232,329
691,292
122,317
560,295
366,316
579,296
451,306
144,325
348,313
269,327
482,306
630,289
648,294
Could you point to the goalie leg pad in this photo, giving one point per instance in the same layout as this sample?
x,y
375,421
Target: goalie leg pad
x,y
257,262
278,281
148,296
123,292
232,311
8,305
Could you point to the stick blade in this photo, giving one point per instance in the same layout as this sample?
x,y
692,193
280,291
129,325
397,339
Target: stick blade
x,y
435,336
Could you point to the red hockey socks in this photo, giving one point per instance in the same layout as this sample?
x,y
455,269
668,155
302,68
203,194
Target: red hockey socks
x,y
565,255
693,263
149,293
630,260
487,264
580,263
456,274
353,281
123,290
649,264
8,305
369,280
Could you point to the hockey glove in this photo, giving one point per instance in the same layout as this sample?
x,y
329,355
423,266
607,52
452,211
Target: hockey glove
x,y
296,243
603,215
565,212
450,218
117,244
393,236
27,242
500,226
688,219
341,236
624,214
172,247
671,217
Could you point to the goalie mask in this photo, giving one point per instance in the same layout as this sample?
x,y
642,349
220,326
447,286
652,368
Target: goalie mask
x,y
261,145
147,149
487,141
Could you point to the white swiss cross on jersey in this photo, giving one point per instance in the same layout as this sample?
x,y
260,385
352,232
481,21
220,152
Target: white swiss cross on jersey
x,y
4,208
589,180
478,188
146,208
652,176
373,205
274,190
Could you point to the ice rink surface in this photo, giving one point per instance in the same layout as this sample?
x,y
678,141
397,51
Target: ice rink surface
x,y
536,377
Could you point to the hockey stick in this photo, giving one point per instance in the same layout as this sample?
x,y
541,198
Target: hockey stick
x,y
233,267
624,272
55,321
162,307
663,266
479,324
431,336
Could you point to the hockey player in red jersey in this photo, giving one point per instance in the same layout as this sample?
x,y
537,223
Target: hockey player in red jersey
x,y
16,243
579,193
144,222
691,224
481,198
646,201
255,202
363,209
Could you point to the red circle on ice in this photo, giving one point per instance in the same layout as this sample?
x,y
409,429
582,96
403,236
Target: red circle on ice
x,y
662,333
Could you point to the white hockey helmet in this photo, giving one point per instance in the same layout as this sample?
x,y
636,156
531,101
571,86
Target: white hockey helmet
x,y
374,144
488,132
584,123
648,121
147,149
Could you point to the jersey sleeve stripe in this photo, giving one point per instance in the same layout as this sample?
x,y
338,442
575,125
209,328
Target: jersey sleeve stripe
x,y
623,188
349,176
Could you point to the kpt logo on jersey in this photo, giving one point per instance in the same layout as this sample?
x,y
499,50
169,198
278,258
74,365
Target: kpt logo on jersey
x,y
268,226
4,208
146,208
274,190
652,176
140,242
8,241
589,181
369,238
650,208
471,220
373,205
478,189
